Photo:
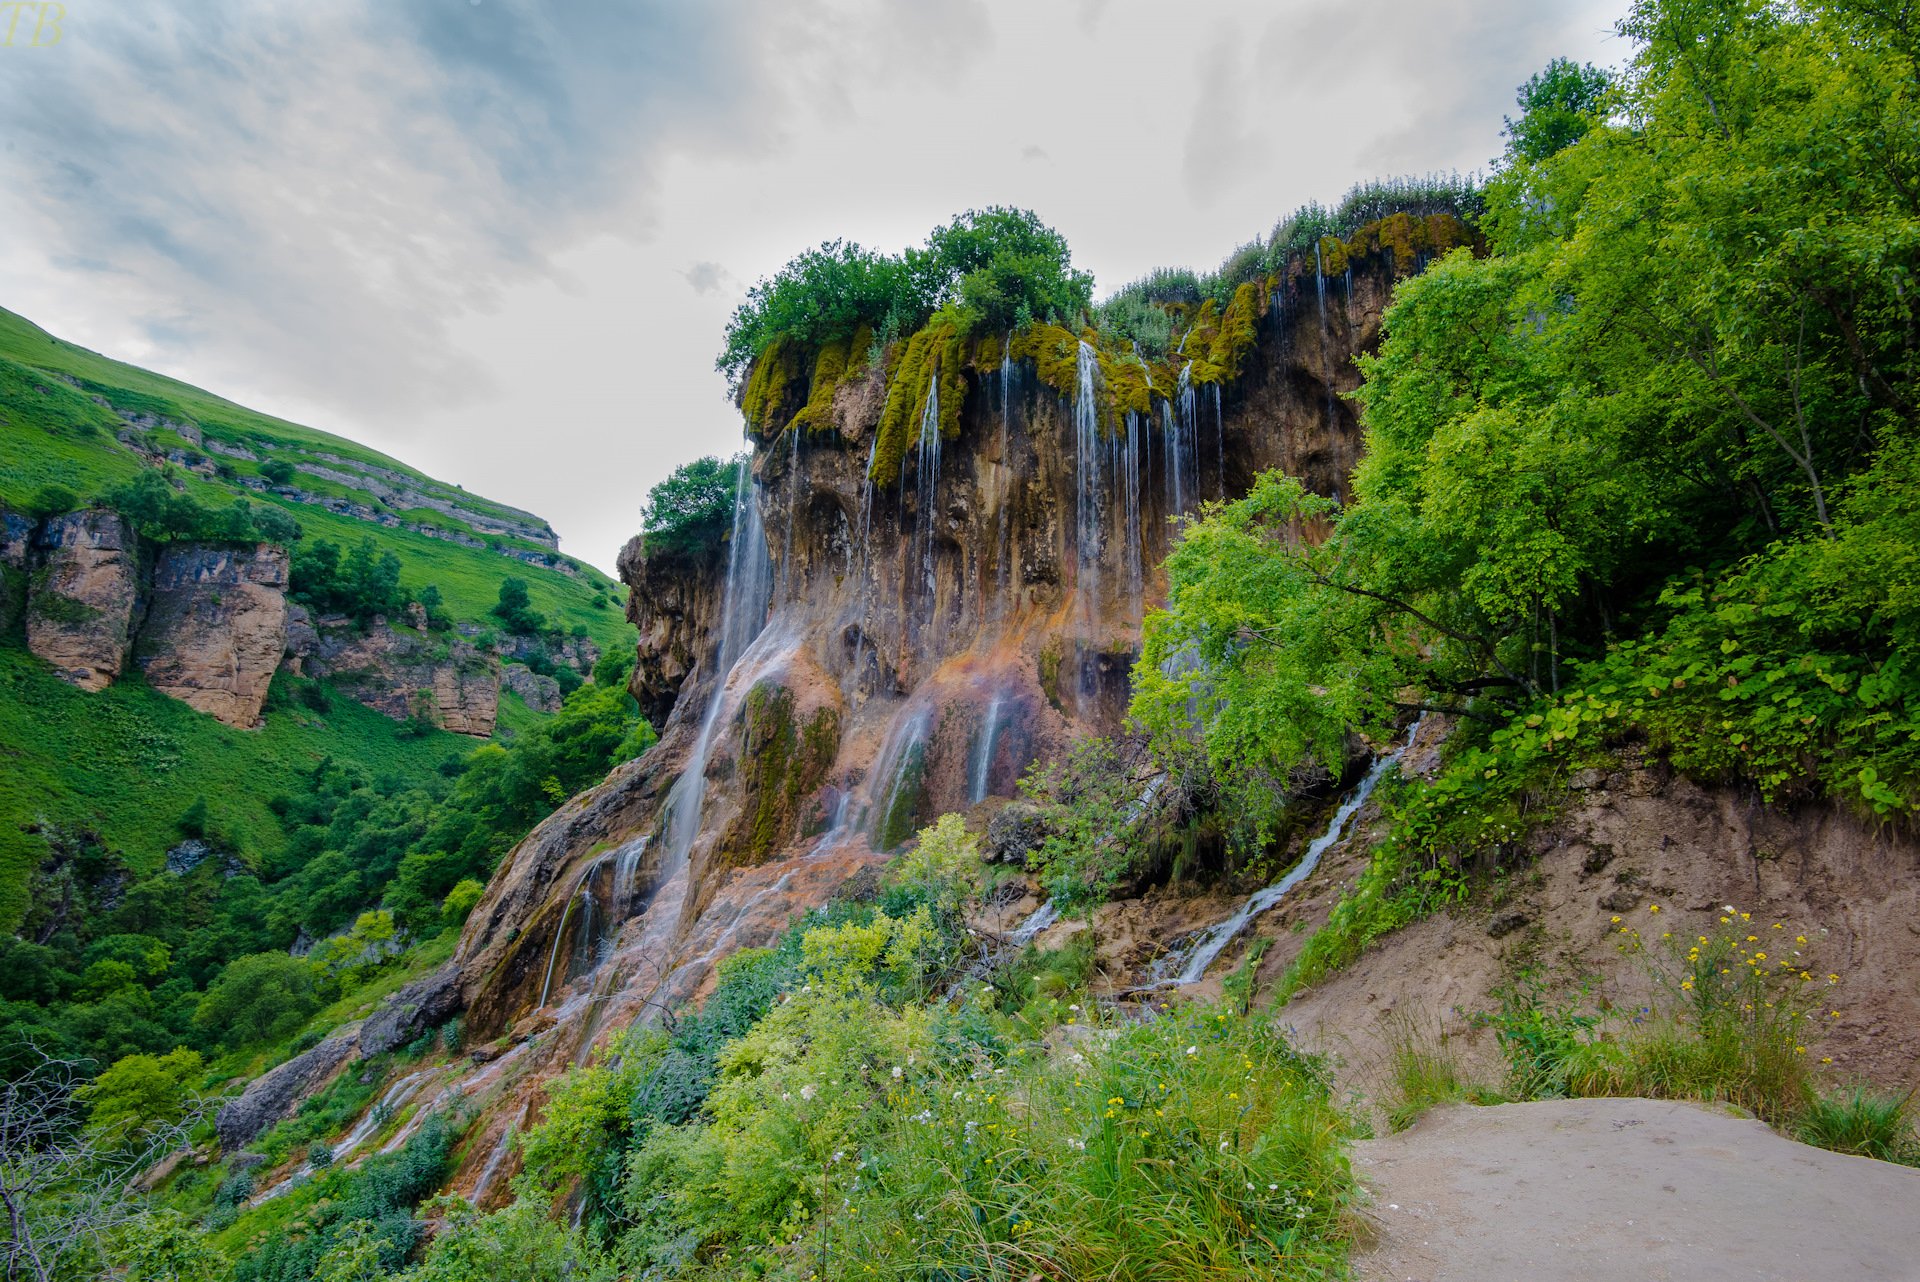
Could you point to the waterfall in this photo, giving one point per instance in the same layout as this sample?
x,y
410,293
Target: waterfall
x,y
898,769
1180,440
582,895
980,769
1027,931
743,612
1220,442
1131,473
1003,549
626,877
927,479
1326,335
793,511
1206,947
1086,435
862,594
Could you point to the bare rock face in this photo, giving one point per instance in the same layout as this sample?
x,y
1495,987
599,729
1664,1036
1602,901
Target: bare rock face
x,y
216,628
276,1094
541,693
676,605
402,672
80,605
420,1007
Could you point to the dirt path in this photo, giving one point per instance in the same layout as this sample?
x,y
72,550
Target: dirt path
x,y
1622,1190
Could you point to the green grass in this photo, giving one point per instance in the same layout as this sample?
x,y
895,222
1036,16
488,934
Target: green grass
x,y
126,762
53,433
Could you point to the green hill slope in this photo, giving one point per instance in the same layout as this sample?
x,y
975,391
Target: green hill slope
x,y
145,845
76,419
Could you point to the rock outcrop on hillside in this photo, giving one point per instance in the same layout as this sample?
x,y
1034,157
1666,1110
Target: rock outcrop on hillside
x,y
402,672
84,591
216,628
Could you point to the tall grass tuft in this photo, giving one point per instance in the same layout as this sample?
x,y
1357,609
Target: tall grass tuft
x,y
1862,1122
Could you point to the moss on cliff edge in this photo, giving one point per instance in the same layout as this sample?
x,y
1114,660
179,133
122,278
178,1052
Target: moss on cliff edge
x,y
786,759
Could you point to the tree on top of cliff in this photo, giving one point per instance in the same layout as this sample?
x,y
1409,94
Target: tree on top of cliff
x,y
1001,267
692,510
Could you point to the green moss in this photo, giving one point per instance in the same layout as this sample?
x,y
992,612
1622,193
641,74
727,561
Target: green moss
x,y
764,400
829,371
786,760
1049,673
935,356
1234,337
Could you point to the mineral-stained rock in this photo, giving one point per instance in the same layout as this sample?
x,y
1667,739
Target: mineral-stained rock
x,y
216,627
421,1006
81,603
274,1096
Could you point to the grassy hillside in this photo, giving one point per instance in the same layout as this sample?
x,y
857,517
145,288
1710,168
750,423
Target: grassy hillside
x,y
56,430
125,764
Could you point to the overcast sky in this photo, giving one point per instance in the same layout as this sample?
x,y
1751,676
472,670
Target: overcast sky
x,y
499,239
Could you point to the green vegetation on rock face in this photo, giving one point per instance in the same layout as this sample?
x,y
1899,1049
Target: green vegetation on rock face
x,y
189,458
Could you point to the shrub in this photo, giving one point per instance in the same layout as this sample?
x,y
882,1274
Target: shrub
x,y
688,514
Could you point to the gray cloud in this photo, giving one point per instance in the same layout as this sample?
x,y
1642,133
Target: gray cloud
x,y
710,278
329,185
1034,151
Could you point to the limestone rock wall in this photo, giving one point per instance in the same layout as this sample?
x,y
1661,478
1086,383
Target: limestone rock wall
x,y
216,627
84,592
403,672
921,643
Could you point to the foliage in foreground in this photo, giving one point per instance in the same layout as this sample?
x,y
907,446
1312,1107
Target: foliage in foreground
x,y
832,1113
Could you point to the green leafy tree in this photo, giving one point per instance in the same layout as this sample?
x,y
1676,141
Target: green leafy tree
x,y
257,998
1558,107
515,609
690,513
142,1095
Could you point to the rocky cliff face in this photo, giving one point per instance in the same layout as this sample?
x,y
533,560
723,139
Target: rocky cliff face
x,y
216,627
860,657
84,591
400,671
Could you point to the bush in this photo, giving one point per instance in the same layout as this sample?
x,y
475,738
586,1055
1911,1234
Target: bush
x,y
257,998
1862,1122
688,514
277,472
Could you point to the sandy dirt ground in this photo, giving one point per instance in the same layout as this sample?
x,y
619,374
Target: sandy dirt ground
x,y
1620,1190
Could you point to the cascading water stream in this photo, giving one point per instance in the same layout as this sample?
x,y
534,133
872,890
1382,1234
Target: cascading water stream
x,y
1086,438
1326,335
743,612
1220,441
1003,548
583,895
793,512
980,769
1205,948
1037,921
1181,468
